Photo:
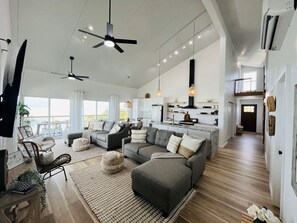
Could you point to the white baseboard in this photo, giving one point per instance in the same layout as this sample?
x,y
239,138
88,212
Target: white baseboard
x,y
223,145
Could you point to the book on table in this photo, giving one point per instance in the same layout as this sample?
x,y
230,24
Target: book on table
x,y
23,187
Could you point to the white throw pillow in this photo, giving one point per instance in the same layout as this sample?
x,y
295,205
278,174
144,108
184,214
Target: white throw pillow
x,y
46,158
98,125
138,136
189,146
91,124
116,128
173,143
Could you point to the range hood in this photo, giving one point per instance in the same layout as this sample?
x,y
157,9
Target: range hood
x,y
191,81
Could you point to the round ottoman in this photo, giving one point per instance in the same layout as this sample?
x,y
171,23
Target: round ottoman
x,y
112,162
80,144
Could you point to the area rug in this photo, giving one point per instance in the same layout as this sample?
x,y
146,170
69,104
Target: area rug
x,y
94,151
111,198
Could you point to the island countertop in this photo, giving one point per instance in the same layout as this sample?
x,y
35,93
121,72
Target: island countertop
x,y
201,127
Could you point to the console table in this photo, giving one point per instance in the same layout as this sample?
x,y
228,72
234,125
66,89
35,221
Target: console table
x,y
11,199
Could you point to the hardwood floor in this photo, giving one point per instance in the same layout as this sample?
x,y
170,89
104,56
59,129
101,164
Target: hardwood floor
x,y
232,181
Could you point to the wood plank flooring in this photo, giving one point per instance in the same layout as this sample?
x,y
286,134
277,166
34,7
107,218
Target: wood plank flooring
x,y
232,181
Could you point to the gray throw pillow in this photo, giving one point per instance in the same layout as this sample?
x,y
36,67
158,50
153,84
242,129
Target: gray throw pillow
x,y
162,137
151,134
108,126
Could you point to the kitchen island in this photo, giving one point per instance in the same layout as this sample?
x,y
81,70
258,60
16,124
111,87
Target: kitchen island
x,y
205,131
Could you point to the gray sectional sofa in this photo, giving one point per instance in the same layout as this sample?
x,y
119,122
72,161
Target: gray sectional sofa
x,y
164,182
109,141
101,138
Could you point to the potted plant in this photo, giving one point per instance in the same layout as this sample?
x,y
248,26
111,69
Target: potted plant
x,y
23,110
33,177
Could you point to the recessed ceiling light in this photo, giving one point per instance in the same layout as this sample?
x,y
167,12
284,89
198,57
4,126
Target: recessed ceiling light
x,y
199,36
184,47
85,36
191,42
91,28
170,56
176,52
164,60
158,65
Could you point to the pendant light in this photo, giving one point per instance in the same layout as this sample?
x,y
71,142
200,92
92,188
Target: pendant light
x,y
192,89
159,91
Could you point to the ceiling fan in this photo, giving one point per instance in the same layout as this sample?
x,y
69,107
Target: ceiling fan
x,y
71,75
109,39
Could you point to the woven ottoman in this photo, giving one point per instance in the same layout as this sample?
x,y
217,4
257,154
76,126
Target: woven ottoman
x,y
112,162
80,144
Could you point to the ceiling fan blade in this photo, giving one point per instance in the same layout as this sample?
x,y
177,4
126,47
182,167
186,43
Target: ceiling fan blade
x,y
99,44
109,29
82,76
118,48
83,31
57,73
126,41
77,78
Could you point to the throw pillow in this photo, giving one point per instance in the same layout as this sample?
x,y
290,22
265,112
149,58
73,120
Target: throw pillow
x,y
91,124
138,136
98,125
173,143
116,128
46,158
189,146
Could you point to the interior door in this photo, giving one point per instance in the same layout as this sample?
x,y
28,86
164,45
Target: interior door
x,y
249,117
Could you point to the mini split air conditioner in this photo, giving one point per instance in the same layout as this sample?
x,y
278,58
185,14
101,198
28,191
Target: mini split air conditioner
x,y
275,26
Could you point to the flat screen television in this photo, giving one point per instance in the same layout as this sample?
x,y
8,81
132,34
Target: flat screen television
x,y
8,105
9,97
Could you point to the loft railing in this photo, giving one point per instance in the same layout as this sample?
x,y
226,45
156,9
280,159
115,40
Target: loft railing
x,y
245,87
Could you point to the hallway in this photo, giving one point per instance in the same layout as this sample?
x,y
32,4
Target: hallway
x,y
232,181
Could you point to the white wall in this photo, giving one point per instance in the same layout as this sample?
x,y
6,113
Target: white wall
x,y
41,84
257,100
175,82
278,63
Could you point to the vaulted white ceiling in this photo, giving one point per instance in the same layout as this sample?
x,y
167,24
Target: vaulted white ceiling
x,y
243,21
51,29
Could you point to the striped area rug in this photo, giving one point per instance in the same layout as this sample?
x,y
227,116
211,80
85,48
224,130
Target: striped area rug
x,y
111,198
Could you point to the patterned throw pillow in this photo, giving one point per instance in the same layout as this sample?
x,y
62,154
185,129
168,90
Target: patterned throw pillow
x,y
116,128
138,136
173,143
189,146
98,125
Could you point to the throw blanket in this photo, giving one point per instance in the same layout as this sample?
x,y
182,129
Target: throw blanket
x,y
166,155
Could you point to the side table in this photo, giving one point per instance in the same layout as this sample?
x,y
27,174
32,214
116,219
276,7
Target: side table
x,y
11,199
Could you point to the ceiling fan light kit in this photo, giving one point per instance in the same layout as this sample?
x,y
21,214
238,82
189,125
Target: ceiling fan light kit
x,y
109,39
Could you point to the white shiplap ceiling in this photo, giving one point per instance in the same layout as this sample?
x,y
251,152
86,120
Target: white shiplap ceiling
x,y
51,29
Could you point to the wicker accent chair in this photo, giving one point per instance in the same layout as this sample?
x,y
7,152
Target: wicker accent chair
x,y
33,149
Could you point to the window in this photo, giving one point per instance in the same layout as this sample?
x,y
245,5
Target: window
x,y
39,114
48,116
250,109
89,111
59,116
250,84
102,110
123,111
95,110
